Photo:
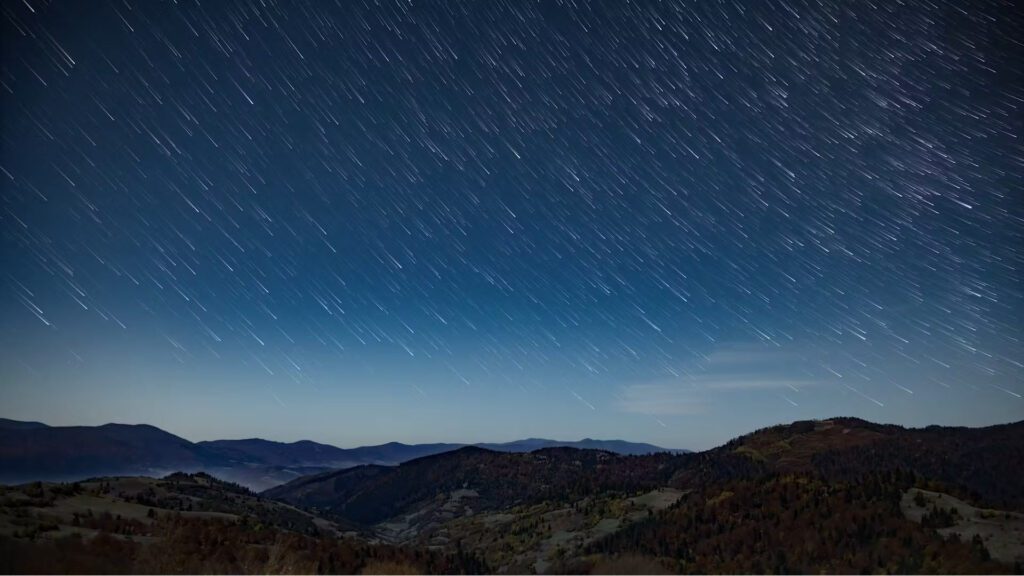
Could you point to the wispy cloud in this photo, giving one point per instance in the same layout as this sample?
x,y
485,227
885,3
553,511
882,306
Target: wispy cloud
x,y
747,382
725,370
659,399
748,356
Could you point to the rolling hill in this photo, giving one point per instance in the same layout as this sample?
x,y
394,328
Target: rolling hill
x,y
840,495
370,494
39,452
185,523
34,451
575,511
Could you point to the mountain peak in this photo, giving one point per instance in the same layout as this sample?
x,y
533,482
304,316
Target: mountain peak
x,y
8,424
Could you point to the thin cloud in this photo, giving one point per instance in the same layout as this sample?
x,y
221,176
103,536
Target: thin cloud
x,y
749,382
734,368
748,356
659,400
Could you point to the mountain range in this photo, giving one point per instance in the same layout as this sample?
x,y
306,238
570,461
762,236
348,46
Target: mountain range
x,y
840,495
34,451
981,462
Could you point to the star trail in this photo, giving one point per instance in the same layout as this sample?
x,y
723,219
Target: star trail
x,y
469,221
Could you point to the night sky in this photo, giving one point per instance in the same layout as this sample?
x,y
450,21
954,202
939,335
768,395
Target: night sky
x,y
476,221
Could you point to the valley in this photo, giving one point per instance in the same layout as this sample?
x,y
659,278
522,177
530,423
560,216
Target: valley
x,y
836,495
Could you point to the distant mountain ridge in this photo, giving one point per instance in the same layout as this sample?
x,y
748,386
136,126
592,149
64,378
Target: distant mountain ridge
x,y
30,452
8,424
306,452
982,463
34,451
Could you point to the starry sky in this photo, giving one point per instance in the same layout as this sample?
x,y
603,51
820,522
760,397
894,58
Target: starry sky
x,y
359,222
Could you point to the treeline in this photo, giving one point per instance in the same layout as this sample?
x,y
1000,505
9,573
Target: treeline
x,y
200,482
795,524
501,480
979,465
983,466
178,545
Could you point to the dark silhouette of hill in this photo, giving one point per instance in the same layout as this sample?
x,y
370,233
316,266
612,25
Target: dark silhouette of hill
x,y
76,452
310,453
7,424
301,453
978,463
825,496
984,464
34,451
369,494
616,446
811,496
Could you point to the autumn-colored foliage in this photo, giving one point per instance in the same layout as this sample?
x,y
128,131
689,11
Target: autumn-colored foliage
x,y
208,546
797,524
